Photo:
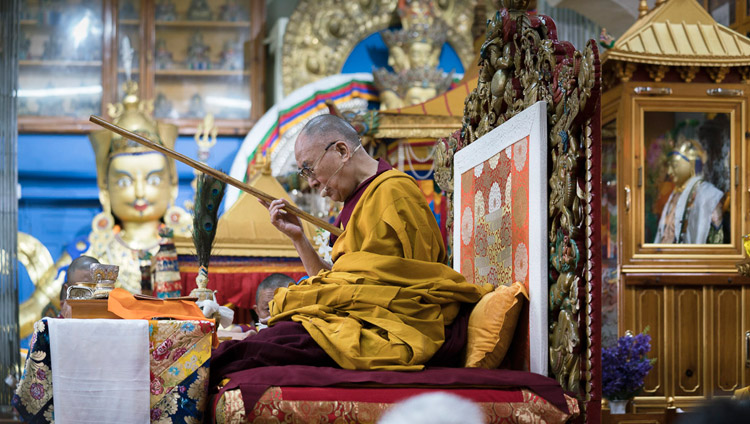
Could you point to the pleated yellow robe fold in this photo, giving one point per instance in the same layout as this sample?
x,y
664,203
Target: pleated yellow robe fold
x,y
386,301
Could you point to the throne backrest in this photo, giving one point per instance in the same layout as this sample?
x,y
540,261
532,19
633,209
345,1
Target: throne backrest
x,y
500,202
521,63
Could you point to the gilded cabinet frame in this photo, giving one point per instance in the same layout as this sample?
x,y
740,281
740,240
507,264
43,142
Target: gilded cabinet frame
x,y
639,251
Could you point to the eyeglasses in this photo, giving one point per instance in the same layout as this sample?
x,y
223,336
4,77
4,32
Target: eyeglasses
x,y
309,173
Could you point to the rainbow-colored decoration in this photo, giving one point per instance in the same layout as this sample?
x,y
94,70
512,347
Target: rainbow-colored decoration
x,y
303,109
298,107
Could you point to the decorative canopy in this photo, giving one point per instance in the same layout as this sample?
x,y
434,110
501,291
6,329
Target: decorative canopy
x,y
680,33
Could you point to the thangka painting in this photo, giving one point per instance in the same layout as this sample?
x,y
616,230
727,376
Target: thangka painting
x,y
500,204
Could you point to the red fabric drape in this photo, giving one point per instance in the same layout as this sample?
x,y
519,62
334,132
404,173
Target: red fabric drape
x,y
238,288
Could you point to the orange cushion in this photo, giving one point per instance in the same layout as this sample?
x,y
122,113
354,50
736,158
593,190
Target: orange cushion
x,y
491,325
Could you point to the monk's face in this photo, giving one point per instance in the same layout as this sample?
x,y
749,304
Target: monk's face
x,y
261,305
327,162
139,186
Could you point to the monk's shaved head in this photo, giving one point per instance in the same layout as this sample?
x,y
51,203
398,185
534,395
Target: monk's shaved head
x,y
326,128
79,271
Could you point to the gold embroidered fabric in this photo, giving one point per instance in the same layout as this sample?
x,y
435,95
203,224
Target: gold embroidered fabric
x,y
272,408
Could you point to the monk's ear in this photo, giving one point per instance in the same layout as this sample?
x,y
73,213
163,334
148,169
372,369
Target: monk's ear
x,y
342,148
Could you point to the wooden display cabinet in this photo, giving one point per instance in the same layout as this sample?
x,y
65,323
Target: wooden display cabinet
x,y
688,295
659,119
679,110
192,57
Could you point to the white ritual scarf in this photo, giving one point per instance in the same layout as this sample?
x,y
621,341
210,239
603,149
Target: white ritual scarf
x,y
100,370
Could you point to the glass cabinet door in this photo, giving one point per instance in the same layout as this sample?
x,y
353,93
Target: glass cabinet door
x,y
199,59
682,178
60,59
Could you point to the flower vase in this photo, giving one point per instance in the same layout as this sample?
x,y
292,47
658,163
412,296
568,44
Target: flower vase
x,y
617,406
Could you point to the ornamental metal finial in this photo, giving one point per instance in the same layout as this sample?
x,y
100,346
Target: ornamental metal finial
x,y
642,8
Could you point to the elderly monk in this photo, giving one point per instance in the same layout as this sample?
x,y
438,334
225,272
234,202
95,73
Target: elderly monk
x,y
387,298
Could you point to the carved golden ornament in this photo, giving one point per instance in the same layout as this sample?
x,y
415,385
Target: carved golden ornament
x,y
744,73
688,73
397,125
625,70
321,34
642,8
657,72
717,74
521,64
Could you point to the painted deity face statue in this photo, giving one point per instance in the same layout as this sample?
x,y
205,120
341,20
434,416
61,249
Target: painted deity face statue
x,y
421,55
139,187
680,170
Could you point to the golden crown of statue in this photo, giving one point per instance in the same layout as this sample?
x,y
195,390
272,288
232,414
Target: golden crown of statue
x,y
401,82
690,150
133,115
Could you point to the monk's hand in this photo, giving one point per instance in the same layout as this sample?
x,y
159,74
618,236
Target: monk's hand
x,y
284,221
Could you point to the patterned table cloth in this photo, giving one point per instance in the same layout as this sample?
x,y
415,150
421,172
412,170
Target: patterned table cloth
x,y
179,356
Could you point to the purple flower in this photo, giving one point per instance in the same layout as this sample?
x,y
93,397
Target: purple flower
x,y
37,391
155,414
41,374
625,366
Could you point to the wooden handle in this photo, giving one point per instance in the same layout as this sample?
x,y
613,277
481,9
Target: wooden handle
x,y
214,173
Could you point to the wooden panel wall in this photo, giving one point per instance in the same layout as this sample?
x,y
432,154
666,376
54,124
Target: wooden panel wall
x,y
698,327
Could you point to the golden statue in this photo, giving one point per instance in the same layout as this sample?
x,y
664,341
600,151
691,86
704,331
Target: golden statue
x,y
137,190
693,213
413,53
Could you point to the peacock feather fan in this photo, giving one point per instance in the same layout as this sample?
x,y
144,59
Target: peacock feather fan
x,y
208,196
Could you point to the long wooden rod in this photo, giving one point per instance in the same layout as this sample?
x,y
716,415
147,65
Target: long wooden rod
x,y
213,172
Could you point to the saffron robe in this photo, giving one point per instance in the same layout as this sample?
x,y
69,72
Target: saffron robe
x,y
386,301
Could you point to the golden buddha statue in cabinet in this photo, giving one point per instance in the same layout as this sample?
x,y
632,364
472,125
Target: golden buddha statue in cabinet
x,y
137,190
693,212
